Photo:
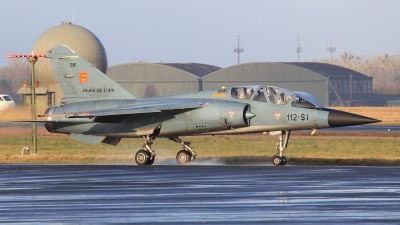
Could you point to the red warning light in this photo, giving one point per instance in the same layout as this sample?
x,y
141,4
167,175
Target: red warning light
x,y
37,83
25,83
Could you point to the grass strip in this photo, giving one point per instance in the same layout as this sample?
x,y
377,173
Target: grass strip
x,y
334,148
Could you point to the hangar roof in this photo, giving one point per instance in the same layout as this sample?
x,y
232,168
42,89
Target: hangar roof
x,y
329,70
197,69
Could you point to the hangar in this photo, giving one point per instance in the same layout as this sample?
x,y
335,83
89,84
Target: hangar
x,y
157,79
329,83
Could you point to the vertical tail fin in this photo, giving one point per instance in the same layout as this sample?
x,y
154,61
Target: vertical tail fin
x,y
78,78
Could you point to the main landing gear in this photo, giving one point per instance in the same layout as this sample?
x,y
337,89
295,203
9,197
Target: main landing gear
x,y
147,155
187,154
279,159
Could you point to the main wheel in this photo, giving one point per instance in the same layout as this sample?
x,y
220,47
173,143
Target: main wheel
x,y
284,161
277,160
183,157
150,162
142,158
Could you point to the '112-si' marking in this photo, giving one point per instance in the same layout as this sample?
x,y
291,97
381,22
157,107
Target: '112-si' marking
x,y
295,117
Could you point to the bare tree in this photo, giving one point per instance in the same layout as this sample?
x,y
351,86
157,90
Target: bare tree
x,y
13,75
385,69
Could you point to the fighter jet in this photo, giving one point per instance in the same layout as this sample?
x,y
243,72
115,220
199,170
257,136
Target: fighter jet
x,y
97,110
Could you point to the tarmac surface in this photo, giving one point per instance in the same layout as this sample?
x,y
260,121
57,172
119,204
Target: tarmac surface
x,y
198,194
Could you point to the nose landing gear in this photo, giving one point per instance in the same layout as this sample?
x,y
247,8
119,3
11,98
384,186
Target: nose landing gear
x,y
279,159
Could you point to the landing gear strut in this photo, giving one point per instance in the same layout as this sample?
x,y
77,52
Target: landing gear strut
x,y
147,155
279,159
187,154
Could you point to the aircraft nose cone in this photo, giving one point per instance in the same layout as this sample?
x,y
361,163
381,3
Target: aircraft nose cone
x,y
249,115
338,118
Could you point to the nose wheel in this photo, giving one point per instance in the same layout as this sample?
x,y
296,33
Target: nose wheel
x,y
279,159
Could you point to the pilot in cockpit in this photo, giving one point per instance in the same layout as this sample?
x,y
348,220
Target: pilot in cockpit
x,y
241,93
280,98
249,92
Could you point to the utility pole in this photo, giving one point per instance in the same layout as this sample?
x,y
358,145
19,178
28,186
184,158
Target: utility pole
x,y
32,60
238,50
298,49
331,49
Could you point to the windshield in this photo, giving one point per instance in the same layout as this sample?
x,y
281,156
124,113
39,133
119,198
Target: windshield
x,y
279,95
302,103
7,98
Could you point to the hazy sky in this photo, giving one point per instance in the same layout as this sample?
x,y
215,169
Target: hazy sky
x,y
205,31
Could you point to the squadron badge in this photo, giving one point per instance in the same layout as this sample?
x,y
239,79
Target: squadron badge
x,y
83,77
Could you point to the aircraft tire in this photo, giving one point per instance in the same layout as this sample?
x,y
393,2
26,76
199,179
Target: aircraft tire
x,y
284,161
142,158
277,161
150,162
183,157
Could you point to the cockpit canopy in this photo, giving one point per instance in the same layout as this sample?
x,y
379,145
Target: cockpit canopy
x,y
279,95
276,95
242,92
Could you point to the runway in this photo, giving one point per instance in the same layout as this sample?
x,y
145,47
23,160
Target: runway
x,y
199,194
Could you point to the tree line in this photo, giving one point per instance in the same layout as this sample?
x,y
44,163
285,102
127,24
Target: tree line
x,y
385,69
13,75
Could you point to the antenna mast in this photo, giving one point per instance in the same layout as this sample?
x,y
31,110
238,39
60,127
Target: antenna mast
x,y
298,49
331,49
238,50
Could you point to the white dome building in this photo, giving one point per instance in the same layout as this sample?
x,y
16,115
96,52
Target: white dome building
x,y
80,40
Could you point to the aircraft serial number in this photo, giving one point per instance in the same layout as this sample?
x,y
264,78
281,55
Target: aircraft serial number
x,y
296,117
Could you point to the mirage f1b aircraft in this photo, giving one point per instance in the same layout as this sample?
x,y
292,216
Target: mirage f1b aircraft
x,y
97,110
